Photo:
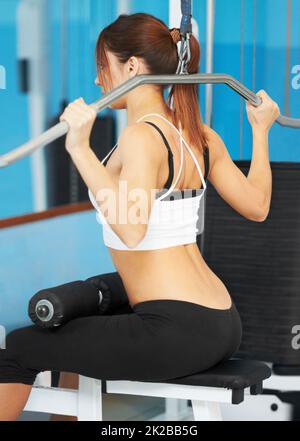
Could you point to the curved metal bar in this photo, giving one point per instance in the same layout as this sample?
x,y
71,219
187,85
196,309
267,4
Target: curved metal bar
x,y
285,121
40,141
62,128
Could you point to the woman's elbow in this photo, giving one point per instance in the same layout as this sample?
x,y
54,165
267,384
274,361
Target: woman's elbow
x,y
261,218
259,215
133,238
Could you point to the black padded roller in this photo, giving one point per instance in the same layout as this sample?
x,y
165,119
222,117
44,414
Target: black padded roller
x,y
113,290
54,306
97,295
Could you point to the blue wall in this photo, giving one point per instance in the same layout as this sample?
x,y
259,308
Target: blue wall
x,y
44,254
88,17
15,181
233,26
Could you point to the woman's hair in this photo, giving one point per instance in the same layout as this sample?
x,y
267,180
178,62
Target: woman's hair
x,y
145,36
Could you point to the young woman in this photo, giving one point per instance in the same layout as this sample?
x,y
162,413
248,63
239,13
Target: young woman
x,y
183,319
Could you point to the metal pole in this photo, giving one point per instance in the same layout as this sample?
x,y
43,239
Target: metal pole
x,y
210,24
174,13
62,128
124,7
242,74
32,35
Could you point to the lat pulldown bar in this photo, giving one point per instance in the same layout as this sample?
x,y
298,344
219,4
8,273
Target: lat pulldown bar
x,y
62,128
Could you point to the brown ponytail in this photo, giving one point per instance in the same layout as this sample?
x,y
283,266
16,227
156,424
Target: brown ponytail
x,y
186,102
143,35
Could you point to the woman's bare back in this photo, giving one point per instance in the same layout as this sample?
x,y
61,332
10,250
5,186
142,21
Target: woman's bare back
x,y
178,272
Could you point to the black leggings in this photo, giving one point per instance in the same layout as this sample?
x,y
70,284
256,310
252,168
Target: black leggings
x,y
155,340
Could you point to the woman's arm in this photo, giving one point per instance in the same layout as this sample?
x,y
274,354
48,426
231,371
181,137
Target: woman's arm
x,y
260,173
249,195
126,206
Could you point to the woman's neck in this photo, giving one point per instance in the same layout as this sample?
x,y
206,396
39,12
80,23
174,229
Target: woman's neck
x,y
145,103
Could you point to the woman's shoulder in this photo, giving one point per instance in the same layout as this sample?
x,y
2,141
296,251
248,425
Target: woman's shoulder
x,y
215,143
138,130
212,135
136,139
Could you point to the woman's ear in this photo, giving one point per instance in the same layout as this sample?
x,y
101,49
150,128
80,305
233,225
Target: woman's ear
x,y
133,66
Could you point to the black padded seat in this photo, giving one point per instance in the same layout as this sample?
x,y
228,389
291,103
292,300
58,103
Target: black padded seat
x,y
234,374
281,369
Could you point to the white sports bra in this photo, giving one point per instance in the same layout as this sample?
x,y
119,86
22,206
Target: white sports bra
x,y
176,218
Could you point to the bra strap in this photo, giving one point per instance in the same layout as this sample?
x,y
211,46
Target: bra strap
x,y
206,162
170,156
104,161
181,140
